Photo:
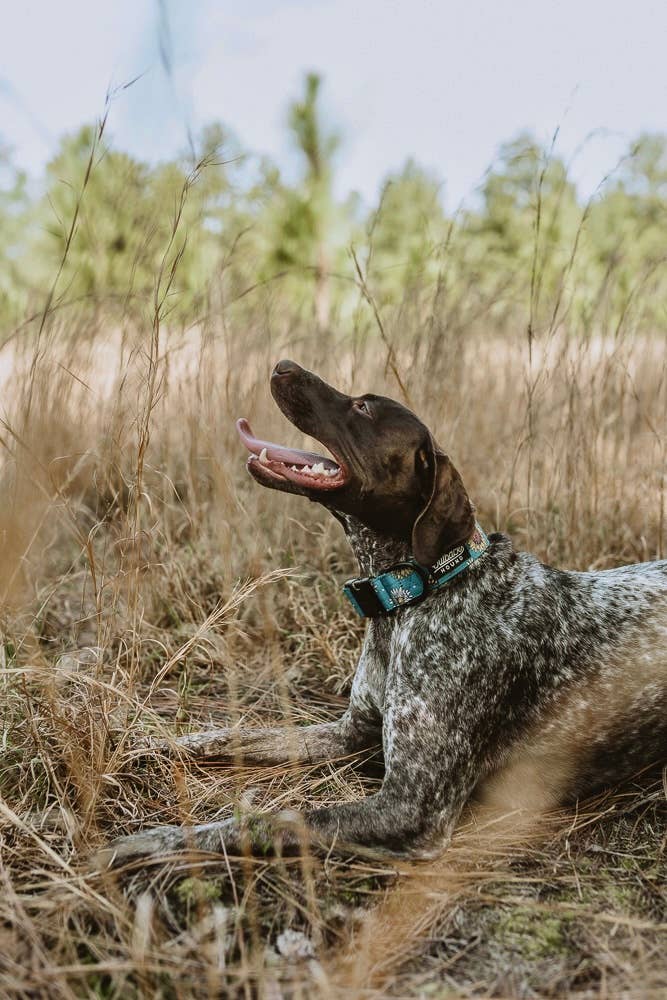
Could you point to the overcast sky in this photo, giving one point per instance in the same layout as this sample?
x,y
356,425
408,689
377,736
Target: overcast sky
x,y
445,82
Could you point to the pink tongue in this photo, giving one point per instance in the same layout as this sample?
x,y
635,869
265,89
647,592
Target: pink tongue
x,y
276,452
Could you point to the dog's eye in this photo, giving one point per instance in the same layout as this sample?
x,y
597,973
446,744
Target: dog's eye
x,y
362,405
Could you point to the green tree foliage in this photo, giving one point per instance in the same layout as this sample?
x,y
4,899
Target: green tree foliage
x,y
405,233
108,228
528,224
14,212
629,223
133,221
306,215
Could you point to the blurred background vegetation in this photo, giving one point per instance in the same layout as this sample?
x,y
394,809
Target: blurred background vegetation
x,y
100,221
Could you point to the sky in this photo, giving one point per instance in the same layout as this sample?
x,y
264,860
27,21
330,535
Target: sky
x,y
443,82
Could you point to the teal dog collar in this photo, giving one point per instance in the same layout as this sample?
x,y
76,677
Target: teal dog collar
x,y
408,583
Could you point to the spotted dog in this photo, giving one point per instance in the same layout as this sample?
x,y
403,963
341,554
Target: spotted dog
x,y
484,674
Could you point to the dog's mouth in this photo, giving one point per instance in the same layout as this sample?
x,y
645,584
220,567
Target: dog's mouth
x,y
273,464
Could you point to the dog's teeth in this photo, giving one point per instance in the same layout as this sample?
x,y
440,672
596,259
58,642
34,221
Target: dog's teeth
x,y
319,469
263,457
294,468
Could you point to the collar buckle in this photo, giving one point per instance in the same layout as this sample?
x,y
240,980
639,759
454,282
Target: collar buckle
x,y
363,598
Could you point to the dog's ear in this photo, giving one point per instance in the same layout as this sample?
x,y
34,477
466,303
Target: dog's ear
x,y
448,517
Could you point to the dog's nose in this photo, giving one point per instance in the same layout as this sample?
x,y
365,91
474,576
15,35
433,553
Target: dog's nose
x,y
286,367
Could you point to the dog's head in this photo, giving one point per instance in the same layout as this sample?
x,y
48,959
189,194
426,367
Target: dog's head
x,y
386,470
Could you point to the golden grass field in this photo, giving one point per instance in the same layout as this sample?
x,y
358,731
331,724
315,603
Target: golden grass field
x,y
149,586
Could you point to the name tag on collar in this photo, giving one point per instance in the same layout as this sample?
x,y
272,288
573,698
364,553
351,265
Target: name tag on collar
x,y
449,561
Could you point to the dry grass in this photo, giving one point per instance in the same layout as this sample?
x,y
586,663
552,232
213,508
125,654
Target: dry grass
x,y
140,594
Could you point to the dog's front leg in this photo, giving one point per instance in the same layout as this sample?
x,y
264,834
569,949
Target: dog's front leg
x,y
390,820
260,745
275,745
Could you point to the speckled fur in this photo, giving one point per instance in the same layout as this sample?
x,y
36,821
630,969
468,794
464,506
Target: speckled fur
x,y
516,685
515,671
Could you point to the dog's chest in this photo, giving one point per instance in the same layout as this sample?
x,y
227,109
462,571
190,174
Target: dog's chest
x,y
369,688
395,648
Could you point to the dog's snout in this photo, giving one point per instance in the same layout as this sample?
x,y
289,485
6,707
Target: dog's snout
x,y
286,367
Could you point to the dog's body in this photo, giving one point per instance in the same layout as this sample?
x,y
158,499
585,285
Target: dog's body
x,y
523,684
516,684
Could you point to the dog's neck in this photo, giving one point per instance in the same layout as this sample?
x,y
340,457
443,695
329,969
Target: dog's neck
x,y
374,551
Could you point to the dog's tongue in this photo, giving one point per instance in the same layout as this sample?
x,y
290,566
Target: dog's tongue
x,y
276,452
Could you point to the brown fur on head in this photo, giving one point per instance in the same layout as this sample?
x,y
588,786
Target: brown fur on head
x,y
388,471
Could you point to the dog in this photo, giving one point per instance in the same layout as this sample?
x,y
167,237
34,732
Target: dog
x,y
484,675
